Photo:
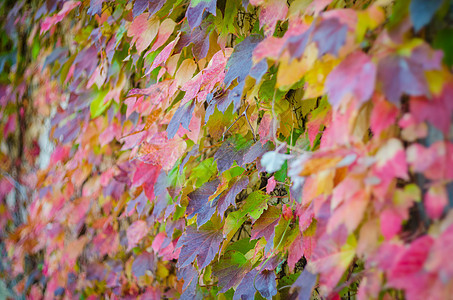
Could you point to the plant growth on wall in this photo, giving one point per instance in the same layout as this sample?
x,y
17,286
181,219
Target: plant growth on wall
x,y
231,149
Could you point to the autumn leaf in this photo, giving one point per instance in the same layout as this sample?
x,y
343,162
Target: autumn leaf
x,y
230,197
161,151
240,62
143,30
265,225
330,36
231,269
199,202
356,75
202,244
331,257
271,12
196,9
136,232
232,150
144,262
422,12
399,75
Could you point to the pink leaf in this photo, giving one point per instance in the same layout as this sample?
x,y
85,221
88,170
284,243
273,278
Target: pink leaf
x,y
271,183
390,223
135,233
143,30
306,215
440,254
435,201
162,151
53,20
383,115
162,56
165,30
412,260
356,76
272,12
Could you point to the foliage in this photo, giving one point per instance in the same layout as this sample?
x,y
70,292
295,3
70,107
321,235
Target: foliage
x,y
230,149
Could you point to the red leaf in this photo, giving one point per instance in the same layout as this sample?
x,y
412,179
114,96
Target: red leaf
x,y
411,260
383,115
162,151
107,241
440,254
437,110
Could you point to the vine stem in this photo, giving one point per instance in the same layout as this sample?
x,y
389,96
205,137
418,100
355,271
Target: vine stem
x,y
244,114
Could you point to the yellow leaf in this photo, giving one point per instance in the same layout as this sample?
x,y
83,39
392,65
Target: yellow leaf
x,y
316,76
185,71
368,19
436,80
290,72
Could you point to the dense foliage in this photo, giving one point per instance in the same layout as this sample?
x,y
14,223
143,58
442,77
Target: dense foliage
x,y
239,149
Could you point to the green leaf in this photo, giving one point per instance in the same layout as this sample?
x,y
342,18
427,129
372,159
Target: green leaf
x,y
443,40
97,106
205,170
255,204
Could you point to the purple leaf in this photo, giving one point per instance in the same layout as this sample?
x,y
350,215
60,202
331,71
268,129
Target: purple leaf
x,y
259,70
246,289
199,202
86,60
202,244
265,284
192,152
142,263
190,292
155,6
161,184
303,287
240,62
95,7
182,116
139,7
139,203
330,35
199,37
194,13
221,102
232,149
230,270
256,151
188,274
235,95
355,75
401,75
265,225
230,198
297,44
